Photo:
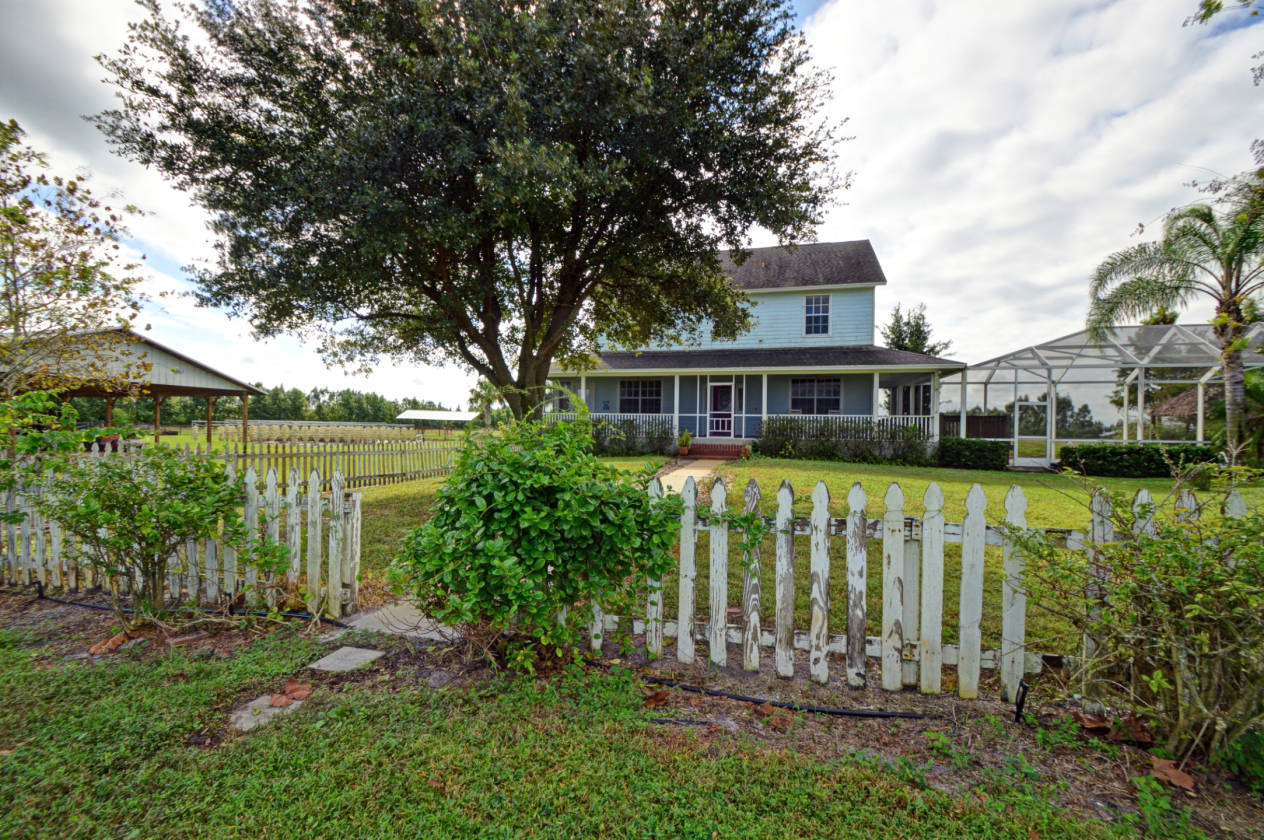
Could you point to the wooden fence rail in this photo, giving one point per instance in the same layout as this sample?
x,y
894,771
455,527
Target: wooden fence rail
x,y
320,529
910,650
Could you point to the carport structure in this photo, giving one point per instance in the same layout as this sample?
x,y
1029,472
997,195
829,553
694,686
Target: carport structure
x,y
134,363
1133,358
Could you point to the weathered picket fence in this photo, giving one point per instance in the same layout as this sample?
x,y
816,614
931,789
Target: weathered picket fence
x,y
321,532
910,650
361,464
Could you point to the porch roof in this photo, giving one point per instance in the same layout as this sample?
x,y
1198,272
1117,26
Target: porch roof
x,y
864,357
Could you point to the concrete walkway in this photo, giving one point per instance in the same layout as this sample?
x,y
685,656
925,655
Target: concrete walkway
x,y
702,469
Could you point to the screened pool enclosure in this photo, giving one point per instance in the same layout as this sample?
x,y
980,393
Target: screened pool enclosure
x,y
1124,388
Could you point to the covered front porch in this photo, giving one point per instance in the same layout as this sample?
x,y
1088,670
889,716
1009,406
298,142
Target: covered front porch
x,y
733,407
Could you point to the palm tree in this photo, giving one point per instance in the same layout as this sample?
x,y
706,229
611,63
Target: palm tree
x,y
484,397
1201,252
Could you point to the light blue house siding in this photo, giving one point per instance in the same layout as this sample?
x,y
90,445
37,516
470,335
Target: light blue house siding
x,y
779,321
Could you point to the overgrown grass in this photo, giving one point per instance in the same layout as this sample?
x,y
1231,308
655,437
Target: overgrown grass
x,y
99,750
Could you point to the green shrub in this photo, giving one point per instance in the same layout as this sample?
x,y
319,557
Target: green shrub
x,y
1244,758
971,454
1175,617
843,439
530,526
1134,460
129,516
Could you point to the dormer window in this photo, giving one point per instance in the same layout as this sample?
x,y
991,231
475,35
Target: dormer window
x,y
816,315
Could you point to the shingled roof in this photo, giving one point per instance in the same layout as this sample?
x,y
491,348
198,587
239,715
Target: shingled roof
x,y
864,356
820,264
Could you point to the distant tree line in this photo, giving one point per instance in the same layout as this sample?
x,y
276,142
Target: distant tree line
x,y
277,403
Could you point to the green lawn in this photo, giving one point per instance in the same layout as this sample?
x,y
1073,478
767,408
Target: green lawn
x,y
106,749
1054,501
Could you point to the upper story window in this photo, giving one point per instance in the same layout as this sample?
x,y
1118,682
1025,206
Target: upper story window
x,y
816,315
816,396
640,396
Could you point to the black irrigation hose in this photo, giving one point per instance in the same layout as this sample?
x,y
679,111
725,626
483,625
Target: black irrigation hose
x,y
780,704
40,596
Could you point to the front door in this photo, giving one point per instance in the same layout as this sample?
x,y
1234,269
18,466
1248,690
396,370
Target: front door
x,y
721,411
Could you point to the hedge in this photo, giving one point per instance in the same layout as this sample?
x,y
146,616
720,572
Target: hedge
x,y
1134,460
971,454
843,439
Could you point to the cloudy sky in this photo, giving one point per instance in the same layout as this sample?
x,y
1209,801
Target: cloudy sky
x,y
1000,151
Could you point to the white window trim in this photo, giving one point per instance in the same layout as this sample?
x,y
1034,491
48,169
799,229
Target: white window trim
x,y
829,316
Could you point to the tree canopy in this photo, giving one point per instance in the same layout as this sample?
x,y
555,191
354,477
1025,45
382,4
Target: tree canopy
x,y
911,331
479,180
64,284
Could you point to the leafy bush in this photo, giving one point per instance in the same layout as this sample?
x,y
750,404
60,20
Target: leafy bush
x,y
1134,460
971,454
1244,758
843,439
129,516
1175,618
631,437
529,526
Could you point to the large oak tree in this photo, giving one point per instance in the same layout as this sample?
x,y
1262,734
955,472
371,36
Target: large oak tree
x,y
503,184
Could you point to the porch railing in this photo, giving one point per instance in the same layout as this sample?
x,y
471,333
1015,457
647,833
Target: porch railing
x,y
860,426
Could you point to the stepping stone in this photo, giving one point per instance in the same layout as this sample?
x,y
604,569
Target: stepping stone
x,y
258,712
402,619
345,658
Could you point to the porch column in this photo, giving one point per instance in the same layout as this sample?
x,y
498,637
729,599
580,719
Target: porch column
x,y
961,432
676,406
583,390
934,404
877,397
109,410
158,418
763,409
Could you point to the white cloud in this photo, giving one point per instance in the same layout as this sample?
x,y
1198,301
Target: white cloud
x,y
1001,151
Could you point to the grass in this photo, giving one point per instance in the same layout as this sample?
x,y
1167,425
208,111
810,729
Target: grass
x,y
1054,501
96,750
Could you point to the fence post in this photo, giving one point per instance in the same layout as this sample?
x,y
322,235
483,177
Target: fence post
x,y
857,573
252,532
654,599
718,575
351,560
229,559
293,526
893,589
272,524
313,543
750,587
336,538
1013,599
818,631
784,523
911,600
970,609
931,647
686,594
1101,532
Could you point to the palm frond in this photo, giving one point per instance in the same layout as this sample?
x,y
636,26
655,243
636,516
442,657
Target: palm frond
x,y
1135,298
1146,259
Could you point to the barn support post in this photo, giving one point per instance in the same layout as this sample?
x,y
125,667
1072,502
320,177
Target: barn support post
x,y
109,410
245,419
210,412
158,418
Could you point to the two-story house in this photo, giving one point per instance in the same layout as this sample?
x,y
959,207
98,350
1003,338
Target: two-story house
x,y
810,354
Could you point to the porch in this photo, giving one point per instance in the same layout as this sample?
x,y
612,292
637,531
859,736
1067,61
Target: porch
x,y
872,405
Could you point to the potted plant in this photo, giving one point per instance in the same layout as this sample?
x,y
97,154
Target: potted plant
x,y
683,441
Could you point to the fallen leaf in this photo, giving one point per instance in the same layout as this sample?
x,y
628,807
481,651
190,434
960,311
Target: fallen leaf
x,y
1032,835
111,644
764,709
296,690
1165,770
1138,730
781,721
280,701
1091,723
656,700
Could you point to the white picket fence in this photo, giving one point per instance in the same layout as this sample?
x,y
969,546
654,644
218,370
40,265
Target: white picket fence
x,y
321,532
910,650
